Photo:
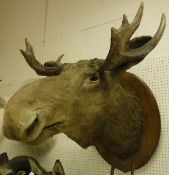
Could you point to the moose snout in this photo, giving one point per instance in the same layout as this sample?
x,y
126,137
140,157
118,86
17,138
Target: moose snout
x,y
22,126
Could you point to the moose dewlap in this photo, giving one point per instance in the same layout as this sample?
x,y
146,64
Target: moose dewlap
x,y
85,100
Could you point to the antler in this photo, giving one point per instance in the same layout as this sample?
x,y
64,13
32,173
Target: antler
x,y
51,68
124,52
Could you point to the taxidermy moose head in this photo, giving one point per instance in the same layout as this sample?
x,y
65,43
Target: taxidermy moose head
x,y
84,100
24,165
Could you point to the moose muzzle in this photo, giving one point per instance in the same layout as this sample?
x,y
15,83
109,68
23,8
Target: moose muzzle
x,y
27,127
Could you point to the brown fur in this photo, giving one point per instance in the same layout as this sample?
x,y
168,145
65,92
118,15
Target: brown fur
x,y
84,100
86,111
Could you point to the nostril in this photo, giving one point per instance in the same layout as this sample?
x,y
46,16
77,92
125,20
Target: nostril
x,y
32,128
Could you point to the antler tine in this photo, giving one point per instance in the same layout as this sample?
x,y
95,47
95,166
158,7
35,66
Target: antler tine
x,y
136,21
150,45
59,58
29,48
36,65
127,29
125,20
120,37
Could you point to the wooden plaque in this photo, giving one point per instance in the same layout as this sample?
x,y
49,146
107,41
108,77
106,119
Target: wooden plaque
x,y
151,130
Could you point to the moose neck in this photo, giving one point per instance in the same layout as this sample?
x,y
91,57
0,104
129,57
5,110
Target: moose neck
x,y
118,126
122,128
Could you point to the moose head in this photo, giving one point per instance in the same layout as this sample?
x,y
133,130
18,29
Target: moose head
x,y
24,165
85,100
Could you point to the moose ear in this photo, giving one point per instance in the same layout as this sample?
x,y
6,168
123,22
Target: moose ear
x,y
135,43
139,41
35,167
58,169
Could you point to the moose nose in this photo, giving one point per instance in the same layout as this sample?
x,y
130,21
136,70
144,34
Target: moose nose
x,y
24,126
33,129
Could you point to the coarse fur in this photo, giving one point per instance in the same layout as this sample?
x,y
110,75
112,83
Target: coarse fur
x,y
85,100
74,104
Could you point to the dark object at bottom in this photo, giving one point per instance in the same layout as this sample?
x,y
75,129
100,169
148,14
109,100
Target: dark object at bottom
x,y
24,165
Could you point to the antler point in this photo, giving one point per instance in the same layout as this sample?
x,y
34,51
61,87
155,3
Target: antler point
x,y
22,51
26,40
114,30
59,58
163,16
125,20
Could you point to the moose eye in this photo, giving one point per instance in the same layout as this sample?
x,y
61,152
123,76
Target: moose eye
x,y
91,81
94,78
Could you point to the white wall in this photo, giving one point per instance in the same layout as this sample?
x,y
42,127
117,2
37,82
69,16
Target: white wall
x,y
81,30
18,19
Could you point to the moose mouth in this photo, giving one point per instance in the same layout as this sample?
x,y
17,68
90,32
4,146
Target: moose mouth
x,y
47,132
